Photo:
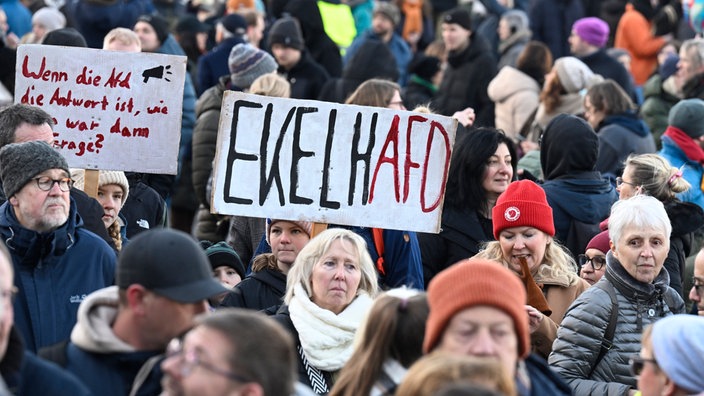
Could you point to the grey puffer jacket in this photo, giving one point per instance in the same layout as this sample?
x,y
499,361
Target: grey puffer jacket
x,y
578,341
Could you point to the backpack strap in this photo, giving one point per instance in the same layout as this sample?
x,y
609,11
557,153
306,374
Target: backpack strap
x,y
378,235
607,342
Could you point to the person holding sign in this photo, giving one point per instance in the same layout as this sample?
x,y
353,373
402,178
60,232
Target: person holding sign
x,y
396,253
265,287
328,293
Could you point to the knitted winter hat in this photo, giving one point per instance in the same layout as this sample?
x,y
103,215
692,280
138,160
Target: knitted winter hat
x,y
68,37
159,24
592,30
20,162
600,242
669,67
688,116
678,347
575,75
287,32
389,10
459,16
247,63
221,254
523,204
50,18
472,283
424,66
104,178
235,24
306,226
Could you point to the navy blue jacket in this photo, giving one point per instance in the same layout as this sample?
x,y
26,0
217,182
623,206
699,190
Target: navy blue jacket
x,y
53,273
110,374
214,65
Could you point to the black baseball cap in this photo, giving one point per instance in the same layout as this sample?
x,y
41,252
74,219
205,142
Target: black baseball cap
x,y
169,263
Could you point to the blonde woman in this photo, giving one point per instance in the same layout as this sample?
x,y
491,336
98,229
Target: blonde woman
x,y
524,231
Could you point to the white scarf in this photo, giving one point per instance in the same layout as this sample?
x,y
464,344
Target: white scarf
x,y
327,338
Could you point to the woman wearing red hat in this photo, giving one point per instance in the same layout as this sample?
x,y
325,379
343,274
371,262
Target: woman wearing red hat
x,y
524,229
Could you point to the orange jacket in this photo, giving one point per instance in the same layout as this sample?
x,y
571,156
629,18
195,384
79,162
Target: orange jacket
x,y
634,34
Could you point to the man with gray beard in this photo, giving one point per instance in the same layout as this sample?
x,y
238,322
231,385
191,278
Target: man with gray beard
x,y
57,262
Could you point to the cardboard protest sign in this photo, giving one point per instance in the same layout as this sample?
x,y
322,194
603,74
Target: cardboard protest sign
x,y
112,110
331,163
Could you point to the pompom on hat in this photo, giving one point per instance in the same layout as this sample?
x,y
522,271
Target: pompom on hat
x,y
523,204
471,283
592,30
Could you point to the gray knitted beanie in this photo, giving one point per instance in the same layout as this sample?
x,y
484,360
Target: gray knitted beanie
x,y
20,162
247,63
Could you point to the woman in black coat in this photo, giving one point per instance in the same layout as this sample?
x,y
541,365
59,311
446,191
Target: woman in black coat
x,y
483,164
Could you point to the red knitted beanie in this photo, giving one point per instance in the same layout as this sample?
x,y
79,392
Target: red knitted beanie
x,y
471,283
523,204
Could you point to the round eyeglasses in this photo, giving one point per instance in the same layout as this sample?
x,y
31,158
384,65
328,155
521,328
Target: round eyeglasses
x,y
597,262
45,183
189,360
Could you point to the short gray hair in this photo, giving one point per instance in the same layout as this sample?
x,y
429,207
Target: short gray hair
x,y
698,54
640,211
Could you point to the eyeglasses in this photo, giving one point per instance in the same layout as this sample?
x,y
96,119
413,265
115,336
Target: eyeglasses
x,y
637,363
189,360
620,181
45,183
597,262
8,294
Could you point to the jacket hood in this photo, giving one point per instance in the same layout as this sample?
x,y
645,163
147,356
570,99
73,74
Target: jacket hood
x,y
271,278
569,145
628,120
510,81
594,194
685,217
32,246
373,59
93,329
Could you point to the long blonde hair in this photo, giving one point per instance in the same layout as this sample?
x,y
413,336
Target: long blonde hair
x,y
557,264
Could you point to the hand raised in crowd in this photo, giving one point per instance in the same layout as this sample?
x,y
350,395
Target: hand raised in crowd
x,y
465,117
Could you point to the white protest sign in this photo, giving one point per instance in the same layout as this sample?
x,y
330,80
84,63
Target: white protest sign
x,y
112,110
331,163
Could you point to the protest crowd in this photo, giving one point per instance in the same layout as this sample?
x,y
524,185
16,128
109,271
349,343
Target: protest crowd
x,y
527,217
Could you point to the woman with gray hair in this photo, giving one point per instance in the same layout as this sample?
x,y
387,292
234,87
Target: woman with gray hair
x,y
633,293
329,291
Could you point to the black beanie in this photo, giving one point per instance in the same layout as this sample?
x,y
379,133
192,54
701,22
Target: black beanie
x,y
286,32
459,16
159,24
68,37
424,66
